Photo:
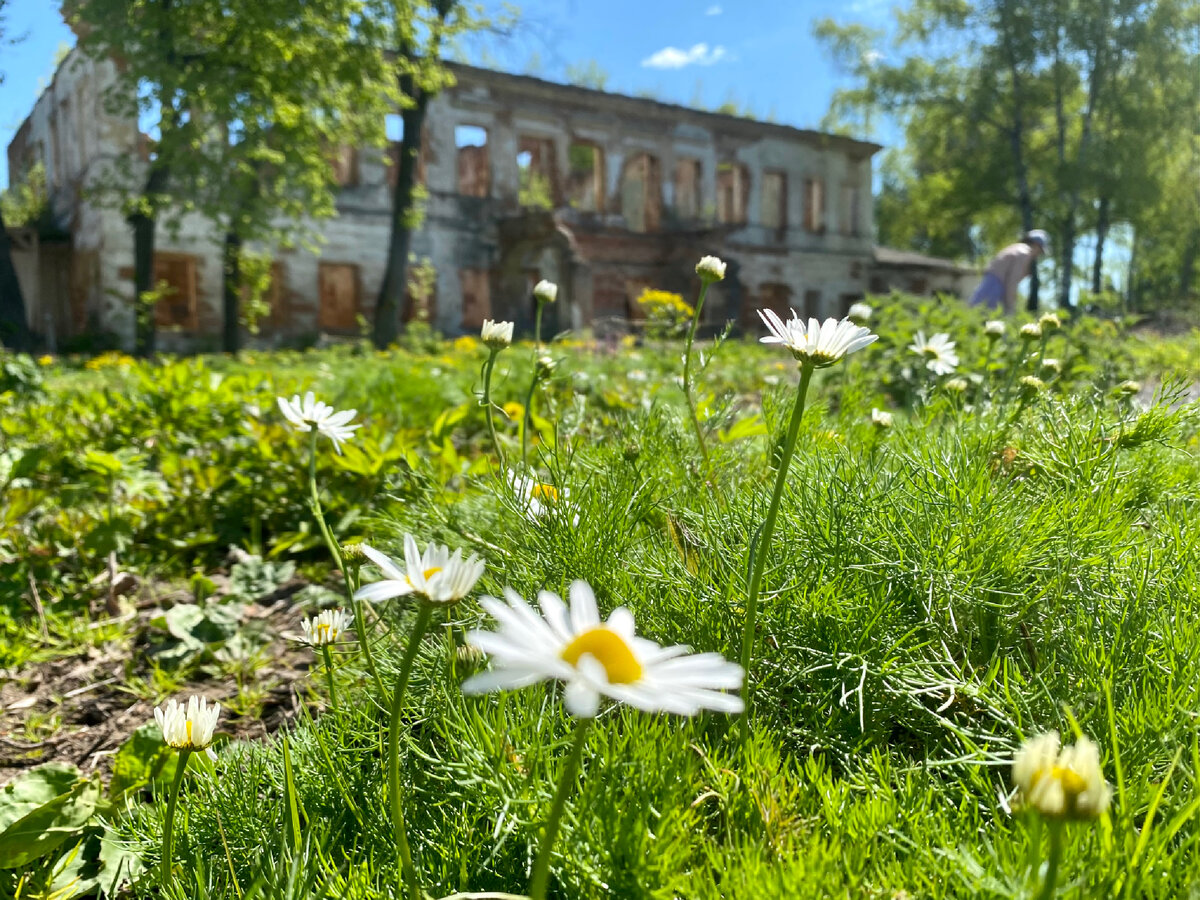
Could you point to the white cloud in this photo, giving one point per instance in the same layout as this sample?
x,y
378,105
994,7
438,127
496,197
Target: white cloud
x,y
714,10
675,58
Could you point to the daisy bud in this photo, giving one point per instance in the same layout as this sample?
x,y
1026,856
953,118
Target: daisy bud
x,y
993,329
1031,386
353,553
881,419
545,291
859,313
1049,321
1129,387
497,335
957,385
1031,332
1051,365
710,269
545,366
1066,783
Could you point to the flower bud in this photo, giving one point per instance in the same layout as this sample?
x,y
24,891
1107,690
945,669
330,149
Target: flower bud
x,y
497,335
993,329
710,269
1049,321
1031,331
545,291
1031,387
881,419
859,313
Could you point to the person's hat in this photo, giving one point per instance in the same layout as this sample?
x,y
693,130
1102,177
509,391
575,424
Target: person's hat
x,y
1039,237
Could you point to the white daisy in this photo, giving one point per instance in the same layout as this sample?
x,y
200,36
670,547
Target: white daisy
x,y
818,344
940,358
1061,784
994,328
312,413
540,499
496,335
434,576
545,291
596,658
326,627
188,727
1031,331
881,418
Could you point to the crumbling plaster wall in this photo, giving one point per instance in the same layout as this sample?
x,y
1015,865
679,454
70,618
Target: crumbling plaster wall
x,y
461,235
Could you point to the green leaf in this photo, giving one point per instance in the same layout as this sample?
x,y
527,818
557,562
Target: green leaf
x,y
33,789
139,759
45,828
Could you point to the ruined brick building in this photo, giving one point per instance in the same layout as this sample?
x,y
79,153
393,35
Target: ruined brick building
x,y
527,179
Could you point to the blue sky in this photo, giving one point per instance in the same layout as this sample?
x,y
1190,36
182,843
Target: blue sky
x,y
757,53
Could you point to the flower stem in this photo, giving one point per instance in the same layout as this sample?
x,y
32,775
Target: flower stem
x,y
168,852
566,782
488,367
424,612
314,501
329,675
526,414
1052,862
764,539
687,379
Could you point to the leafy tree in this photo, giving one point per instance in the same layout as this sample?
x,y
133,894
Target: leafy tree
x,y
14,326
415,34
266,177
1021,113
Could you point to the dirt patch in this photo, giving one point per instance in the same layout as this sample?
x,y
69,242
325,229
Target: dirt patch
x,y
79,708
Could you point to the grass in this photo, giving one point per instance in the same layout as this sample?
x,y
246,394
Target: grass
x,y
935,593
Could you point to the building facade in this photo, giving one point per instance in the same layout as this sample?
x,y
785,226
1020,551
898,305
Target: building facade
x,y
525,179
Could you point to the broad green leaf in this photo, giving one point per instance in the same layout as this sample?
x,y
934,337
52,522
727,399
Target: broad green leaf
x,y
47,827
35,788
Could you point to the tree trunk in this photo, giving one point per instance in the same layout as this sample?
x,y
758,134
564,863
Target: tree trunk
x,y
143,224
1017,143
14,326
1066,266
1102,225
389,306
231,333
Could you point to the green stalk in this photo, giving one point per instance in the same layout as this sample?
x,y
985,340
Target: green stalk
x,y
360,624
541,866
687,380
526,414
1052,863
329,675
424,612
764,537
169,824
488,367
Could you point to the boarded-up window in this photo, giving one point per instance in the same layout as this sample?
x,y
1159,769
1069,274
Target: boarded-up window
x,y
814,206
345,167
176,272
476,298
851,214
641,193
537,172
337,291
474,168
774,200
773,296
812,305
733,193
687,189
878,284
585,179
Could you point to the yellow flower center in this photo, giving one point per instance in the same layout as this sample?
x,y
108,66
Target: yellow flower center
x,y
323,631
544,492
188,723
1072,782
429,573
930,352
610,649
